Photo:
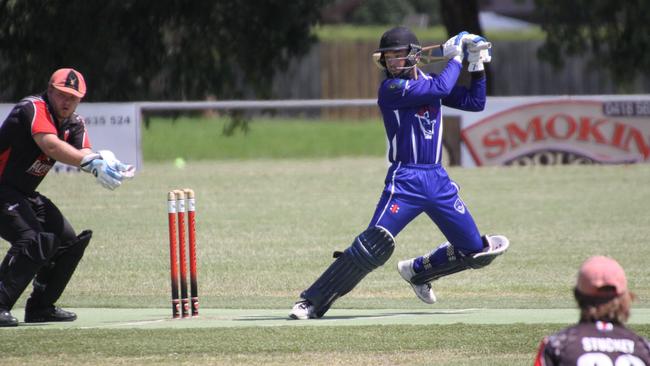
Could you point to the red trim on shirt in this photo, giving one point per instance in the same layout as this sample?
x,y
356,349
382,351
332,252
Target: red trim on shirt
x,y
42,121
539,359
86,140
4,158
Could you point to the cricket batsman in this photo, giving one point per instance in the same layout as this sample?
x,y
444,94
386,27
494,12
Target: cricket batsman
x,y
411,102
41,130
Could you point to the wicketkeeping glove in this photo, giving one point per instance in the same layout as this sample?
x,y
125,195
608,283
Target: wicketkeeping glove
x,y
106,168
127,170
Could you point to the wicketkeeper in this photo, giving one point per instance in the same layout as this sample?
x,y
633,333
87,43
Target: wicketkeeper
x,y
411,102
41,130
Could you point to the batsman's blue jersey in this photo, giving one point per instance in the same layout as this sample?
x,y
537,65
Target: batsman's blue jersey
x,y
412,116
416,182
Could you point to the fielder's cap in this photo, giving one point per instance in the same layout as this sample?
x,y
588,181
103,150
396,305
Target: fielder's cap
x,y
601,276
69,81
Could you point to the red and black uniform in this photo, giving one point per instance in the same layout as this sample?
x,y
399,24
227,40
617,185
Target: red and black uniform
x,y
43,243
22,163
594,344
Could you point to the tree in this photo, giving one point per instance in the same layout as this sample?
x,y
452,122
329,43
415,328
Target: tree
x,y
379,12
458,16
153,50
614,32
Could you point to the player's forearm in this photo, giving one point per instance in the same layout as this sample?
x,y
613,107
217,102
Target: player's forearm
x,y
468,99
60,150
478,90
445,81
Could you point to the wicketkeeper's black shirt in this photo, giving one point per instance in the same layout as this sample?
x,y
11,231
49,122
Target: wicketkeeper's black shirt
x,y
22,163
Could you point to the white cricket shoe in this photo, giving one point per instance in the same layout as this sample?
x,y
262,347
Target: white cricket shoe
x,y
302,310
423,292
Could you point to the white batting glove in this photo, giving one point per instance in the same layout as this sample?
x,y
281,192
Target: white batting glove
x,y
477,58
477,51
473,42
453,48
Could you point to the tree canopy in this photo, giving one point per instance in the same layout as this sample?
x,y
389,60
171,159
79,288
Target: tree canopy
x,y
615,33
153,50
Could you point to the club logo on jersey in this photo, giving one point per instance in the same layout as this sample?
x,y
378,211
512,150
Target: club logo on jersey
x,y
604,326
394,208
427,118
41,166
459,206
399,83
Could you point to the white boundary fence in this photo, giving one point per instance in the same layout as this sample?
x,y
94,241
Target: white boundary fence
x,y
255,104
601,128
116,126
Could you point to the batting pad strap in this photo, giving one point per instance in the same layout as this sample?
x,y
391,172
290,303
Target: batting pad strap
x,y
370,249
494,246
433,273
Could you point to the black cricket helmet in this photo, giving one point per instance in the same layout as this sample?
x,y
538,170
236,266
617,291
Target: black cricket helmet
x,y
400,38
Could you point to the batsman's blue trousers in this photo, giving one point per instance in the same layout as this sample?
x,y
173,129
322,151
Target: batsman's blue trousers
x,y
411,189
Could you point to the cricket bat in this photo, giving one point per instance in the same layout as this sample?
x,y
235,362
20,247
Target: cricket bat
x,y
430,54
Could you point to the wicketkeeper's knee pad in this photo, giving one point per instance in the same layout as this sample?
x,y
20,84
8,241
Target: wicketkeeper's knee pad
x,y
25,258
74,249
40,248
494,246
51,280
370,249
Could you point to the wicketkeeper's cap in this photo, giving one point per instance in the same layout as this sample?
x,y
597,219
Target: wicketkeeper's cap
x,y
69,81
601,276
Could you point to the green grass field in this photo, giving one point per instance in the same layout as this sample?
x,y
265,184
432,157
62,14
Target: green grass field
x,y
267,228
203,139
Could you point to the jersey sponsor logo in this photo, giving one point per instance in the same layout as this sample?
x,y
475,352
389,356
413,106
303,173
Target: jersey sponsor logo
x,y
459,206
41,166
427,119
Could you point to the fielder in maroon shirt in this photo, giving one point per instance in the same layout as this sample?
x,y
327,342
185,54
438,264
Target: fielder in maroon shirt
x,y
39,131
600,338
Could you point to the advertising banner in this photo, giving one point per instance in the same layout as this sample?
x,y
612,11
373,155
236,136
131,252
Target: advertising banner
x,y
552,130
